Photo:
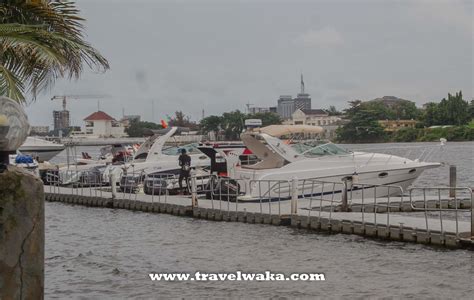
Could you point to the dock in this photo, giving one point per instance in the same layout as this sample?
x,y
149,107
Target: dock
x,y
446,222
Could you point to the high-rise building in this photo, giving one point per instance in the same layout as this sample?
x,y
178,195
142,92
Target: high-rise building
x,y
286,106
302,100
61,119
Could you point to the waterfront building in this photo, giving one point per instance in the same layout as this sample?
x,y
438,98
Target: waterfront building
x,y
100,124
315,117
395,125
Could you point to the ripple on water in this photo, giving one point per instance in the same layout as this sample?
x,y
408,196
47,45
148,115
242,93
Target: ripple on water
x,y
110,256
104,253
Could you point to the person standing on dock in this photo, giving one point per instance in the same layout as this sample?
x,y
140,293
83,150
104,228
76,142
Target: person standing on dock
x,y
185,164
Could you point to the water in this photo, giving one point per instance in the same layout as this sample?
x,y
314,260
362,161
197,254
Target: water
x,y
94,253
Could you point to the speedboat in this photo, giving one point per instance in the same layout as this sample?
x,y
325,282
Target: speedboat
x,y
313,166
40,149
25,162
89,171
154,160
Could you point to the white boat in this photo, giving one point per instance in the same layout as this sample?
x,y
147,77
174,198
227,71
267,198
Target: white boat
x,y
40,149
154,159
26,162
314,165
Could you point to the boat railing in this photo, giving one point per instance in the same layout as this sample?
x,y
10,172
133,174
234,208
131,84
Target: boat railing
x,y
419,153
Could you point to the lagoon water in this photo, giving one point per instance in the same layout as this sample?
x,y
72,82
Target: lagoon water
x,y
94,253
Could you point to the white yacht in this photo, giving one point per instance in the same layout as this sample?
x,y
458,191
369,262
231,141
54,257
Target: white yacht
x,y
41,149
153,158
279,162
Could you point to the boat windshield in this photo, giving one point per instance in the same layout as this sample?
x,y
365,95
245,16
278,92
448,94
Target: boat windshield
x,y
315,149
190,149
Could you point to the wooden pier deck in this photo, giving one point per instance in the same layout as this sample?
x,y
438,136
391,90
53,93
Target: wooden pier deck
x,y
377,221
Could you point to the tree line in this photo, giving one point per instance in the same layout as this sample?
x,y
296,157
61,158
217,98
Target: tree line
x,y
363,117
227,126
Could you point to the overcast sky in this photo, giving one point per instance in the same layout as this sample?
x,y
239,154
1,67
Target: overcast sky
x,y
219,55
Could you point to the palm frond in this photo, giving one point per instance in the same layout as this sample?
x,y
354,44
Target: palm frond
x,y
10,85
41,41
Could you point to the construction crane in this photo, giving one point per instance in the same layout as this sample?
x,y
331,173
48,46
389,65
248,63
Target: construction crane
x,y
64,98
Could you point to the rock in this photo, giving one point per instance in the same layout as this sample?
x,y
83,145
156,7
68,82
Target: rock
x,y
21,235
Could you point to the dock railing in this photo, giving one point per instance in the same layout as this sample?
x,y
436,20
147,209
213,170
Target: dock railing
x,y
342,196
444,207
322,199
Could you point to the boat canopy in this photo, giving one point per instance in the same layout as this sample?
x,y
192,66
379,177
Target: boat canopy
x,y
281,130
272,152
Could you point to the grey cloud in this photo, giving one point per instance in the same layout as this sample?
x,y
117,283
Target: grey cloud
x,y
220,55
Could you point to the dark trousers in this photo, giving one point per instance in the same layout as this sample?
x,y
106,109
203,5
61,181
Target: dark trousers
x,y
183,175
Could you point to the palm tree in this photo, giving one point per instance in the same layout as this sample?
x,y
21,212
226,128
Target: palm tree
x,y
40,41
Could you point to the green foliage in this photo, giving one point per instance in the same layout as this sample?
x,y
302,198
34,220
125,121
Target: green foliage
x,y
471,109
363,126
405,135
471,124
231,124
210,124
141,129
452,133
41,41
332,111
181,120
268,118
451,111
401,110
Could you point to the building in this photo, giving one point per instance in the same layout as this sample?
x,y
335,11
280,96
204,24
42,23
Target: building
x,y
302,101
100,124
127,119
61,119
39,130
256,110
286,106
315,117
395,125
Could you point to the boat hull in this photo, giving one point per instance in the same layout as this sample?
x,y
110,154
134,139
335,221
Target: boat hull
x,y
375,183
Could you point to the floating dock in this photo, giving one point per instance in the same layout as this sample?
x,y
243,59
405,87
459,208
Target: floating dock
x,y
441,222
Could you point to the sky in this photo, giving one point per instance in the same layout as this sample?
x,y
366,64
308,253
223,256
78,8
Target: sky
x,y
217,56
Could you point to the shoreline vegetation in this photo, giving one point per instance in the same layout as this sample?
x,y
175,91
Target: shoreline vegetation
x,y
452,119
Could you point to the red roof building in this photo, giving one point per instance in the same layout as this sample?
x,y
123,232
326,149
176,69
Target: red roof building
x,y
100,124
99,116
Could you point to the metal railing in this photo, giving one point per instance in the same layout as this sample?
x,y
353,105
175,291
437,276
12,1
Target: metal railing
x,y
320,198
442,207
